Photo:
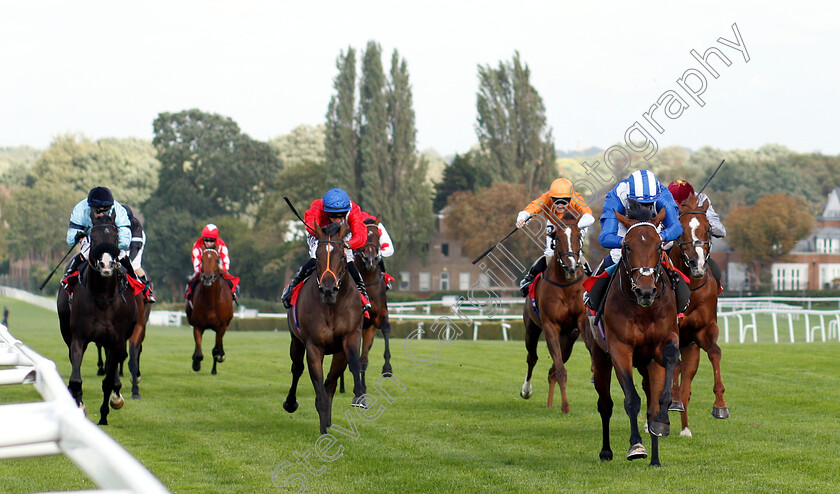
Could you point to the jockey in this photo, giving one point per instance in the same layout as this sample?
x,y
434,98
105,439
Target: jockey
x,y
386,245
210,240
135,252
643,187
681,189
334,207
99,202
553,204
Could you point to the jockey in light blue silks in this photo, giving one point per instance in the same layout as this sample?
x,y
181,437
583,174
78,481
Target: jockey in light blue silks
x,y
99,202
643,187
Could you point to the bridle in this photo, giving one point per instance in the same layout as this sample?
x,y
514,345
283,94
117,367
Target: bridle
x,y
375,246
330,243
572,254
695,243
209,279
98,265
653,271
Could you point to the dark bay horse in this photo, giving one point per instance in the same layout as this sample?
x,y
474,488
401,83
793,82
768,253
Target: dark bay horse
x,y
327,320
103,310
367,260
639,330
135,347
699,328
559,313
211,307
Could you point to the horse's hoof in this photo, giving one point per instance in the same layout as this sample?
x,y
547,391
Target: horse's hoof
x,y
116,401
213,372
220,358
135,396
103,421
720,413
359,401
137,381
527,391
197,364
289,407
387,371
659,429
676,406
606,455
686,432
637,452
655,464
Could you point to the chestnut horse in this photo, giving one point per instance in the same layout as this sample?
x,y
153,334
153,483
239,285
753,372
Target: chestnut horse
x,y
211,307
559,313
326,320
639,330
103,310
367,260
699,328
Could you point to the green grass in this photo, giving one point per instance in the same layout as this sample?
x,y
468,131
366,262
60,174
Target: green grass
x,y
459,426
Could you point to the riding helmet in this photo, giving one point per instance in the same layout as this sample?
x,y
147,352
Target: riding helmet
x,y
210,231
336,201
644,187
680,189
100,197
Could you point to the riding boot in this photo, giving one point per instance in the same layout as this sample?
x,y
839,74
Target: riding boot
x,y
536,268
716,273
301,275
382,268
150,296
190,288
592,299
360,283
682,291
72,266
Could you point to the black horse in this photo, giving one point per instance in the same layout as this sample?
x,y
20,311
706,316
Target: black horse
x,y
103,310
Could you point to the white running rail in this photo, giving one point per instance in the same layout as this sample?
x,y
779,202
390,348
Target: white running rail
x,y
56,426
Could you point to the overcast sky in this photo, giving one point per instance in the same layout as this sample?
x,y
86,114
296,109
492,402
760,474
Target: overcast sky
x,y
107,69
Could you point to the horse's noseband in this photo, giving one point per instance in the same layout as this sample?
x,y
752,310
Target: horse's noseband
x,y
653,271
337,277
575,256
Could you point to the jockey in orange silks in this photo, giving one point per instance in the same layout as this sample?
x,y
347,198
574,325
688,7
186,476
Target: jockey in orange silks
x,y
553,204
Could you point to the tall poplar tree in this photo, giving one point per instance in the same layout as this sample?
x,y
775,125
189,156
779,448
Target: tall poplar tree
x,y
373,128
341,140
511,126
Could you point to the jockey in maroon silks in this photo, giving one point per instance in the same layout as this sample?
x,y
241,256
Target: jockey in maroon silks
x,y
334,207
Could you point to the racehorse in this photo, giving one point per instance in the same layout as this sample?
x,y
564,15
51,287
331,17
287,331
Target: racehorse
x,y
367,260
211,307
326,319
557,309
699,328
639,330
135,347
103,310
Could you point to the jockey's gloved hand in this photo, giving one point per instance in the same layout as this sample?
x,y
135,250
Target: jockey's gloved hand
x,y
585,221
79,236
521,218
347,245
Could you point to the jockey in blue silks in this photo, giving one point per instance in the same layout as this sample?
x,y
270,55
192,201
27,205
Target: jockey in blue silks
x,y
99,202
643,187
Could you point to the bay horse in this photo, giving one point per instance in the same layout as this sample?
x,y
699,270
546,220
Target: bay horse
x,y
367,260
211,307
326,320
557,311
699,328
639,330
103,310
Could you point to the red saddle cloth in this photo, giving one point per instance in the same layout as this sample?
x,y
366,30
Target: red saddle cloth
x,y
70,280
137,286
532,288
388,278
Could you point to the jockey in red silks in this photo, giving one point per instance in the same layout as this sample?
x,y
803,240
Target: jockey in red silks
x,y
210,240
386,245
334,207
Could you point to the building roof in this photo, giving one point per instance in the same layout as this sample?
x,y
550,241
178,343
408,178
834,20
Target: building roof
x,y
832,205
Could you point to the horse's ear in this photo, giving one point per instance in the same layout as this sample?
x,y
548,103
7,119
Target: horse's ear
x,y
659,217
319,232
624,220
114,215
704,207
377,221
342,232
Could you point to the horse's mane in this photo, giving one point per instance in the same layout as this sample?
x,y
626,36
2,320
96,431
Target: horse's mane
x,y
635,211
568,215
332,228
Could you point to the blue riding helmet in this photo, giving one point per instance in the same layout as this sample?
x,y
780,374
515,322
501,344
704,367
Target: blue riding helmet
x,y
100,197
336,201
644,187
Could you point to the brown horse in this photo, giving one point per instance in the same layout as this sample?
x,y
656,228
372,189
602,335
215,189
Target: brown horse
x,y
367,260
698,329
639,330
559,313
103,310
327,320
211,307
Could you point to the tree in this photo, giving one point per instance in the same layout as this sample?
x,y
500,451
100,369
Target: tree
x,y
374,158
765,232
341,140
303,143
511,125
462,174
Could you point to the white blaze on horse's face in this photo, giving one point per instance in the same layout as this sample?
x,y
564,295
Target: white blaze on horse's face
x,y
105,265
329,248
701,256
